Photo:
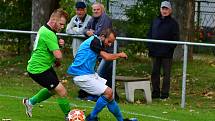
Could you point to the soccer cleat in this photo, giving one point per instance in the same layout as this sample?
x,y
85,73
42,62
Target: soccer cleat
x,y
88,118
66,118
28,108
131,119
92,98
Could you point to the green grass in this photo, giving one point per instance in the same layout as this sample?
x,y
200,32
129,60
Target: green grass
x,y
200,100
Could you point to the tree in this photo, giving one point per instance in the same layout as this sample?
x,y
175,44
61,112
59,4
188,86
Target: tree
x,y
41,11
15,15
140,17
183,11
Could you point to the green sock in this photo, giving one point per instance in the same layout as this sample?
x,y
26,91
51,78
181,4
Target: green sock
x,y
64,105
42,95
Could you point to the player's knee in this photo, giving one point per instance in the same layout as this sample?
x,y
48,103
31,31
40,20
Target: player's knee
x,y
63,93
109,93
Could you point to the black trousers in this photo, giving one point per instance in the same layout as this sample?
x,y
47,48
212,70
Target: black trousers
x,y
157,64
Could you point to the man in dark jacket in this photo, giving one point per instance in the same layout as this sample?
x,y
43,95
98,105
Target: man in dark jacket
x,y
164,27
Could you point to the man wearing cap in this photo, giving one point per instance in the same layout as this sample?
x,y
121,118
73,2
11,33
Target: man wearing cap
x,y
77,25
164,27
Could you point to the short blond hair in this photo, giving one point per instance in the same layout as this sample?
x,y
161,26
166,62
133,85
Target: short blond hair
x,y
58,13
100,5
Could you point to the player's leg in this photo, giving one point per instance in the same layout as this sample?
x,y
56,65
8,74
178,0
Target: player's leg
x,y
42,95
62,100
104,70
106,100
112,104
100,104
88,82
115,110
93,85
44,80
47,79
61,91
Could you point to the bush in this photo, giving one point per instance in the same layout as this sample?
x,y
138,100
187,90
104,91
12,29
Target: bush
x,y
139,18
15,15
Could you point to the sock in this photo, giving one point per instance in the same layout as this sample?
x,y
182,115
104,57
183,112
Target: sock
x,y
42,95
100,104
64,105
114,109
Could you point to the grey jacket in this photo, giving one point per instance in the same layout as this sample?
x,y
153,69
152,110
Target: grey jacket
x,y
75,26
100,23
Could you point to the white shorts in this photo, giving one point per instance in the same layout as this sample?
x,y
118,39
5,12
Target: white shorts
x,y
92,83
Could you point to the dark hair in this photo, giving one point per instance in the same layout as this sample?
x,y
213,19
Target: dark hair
x,y
106,32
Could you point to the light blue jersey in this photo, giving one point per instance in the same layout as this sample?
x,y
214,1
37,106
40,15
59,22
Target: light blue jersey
x,y
85,59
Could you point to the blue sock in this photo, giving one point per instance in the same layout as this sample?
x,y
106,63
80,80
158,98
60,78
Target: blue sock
x,y
100,104
114,109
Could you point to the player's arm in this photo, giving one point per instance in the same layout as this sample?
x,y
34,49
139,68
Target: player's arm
x,y
109,56
99,49
58,54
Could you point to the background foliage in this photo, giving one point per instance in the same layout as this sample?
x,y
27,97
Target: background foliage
x,y
15,15
139,16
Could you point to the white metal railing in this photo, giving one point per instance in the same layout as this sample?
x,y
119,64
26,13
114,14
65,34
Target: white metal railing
x,y
185,47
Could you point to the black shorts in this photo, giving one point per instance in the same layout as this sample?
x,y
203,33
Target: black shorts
x,y
47,79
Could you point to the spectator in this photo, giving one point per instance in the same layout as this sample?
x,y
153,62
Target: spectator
x,y
78,24
99,20
164,27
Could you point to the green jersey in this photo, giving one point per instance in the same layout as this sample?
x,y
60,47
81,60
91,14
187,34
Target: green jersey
x,y
42,57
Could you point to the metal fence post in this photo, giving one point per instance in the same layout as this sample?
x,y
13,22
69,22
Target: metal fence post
x,y
114,69
184,76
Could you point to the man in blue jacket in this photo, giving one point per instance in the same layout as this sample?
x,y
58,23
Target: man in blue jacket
x,y
164,27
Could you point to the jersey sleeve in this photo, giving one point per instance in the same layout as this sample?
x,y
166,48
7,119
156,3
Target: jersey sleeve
x,y
52,42
96,46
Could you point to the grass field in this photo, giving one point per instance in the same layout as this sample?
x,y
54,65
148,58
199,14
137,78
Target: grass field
x,y
200,100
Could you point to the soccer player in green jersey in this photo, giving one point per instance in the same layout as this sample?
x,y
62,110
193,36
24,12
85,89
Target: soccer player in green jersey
x,y
46,54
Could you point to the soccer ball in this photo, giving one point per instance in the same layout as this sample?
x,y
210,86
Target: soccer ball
x,y
76,115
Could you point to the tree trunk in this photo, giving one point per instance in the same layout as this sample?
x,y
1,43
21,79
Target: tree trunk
x,y
41,10
184,11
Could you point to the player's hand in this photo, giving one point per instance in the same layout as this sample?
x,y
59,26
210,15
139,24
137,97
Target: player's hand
x,y
61,42
123,55
57,63
90,32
